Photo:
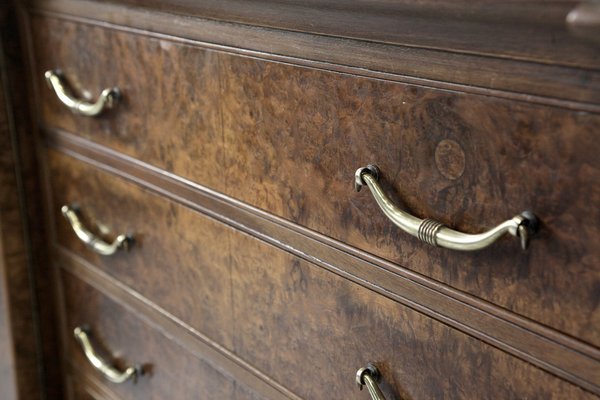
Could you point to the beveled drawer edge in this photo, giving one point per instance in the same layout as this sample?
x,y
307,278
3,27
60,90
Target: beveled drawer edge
x,y
338,55
171,327
553,351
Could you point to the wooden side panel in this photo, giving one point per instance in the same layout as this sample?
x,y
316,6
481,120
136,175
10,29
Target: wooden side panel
x,y
294,138
20,369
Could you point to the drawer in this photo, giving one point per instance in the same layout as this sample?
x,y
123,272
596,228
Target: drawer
x,y
123,339
178,259
290,318
295,320
292,138
168,113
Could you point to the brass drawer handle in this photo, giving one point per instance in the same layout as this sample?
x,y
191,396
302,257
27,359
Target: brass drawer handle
x,y
108,98
92,241
369,376
111,373
522,226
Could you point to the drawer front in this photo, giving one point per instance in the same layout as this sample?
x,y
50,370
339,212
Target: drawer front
x,y
294,320
295,137
168,114
292,138
178,259
290,318
169,371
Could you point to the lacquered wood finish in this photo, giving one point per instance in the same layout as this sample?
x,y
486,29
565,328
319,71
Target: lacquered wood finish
x,y
257,271
178,259
286,318
168,113
295,137
545,348
21,374
170,372
493,29
292,138
293,319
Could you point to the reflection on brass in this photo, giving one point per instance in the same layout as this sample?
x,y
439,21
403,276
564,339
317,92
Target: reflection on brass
x,y
108,98
92,241
435,233
100,364
369,376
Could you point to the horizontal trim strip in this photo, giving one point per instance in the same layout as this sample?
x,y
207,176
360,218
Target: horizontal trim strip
x,y
546,348
512,79
494,29
173,328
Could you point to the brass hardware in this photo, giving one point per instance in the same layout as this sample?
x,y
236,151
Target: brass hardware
x,y
111,373
107,99
92,241
435,233
369,376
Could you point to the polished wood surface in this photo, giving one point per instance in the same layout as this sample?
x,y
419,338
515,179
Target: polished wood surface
x,y
22,347
173,122
507,77
257,271
525,339
285,315
292,318
169,371
288,139
294,138
491,29
178,259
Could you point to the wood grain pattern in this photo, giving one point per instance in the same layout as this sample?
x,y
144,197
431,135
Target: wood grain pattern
x,y
294,138
505,77
20,365
286,315
460,26
247,379
295,320
547,349
179,258
170,372
169,112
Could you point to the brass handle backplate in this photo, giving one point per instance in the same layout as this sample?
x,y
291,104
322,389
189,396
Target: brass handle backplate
x,y
92,241
111,373
107,99
369,376
522,226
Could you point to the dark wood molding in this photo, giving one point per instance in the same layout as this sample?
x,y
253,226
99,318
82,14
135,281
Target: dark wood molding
x,y
512,78
489,29
550,350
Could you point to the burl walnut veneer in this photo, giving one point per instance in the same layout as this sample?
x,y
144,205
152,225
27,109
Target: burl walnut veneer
x,y
253,269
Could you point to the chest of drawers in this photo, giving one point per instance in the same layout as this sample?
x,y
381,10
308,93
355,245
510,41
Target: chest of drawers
x,y
227,251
